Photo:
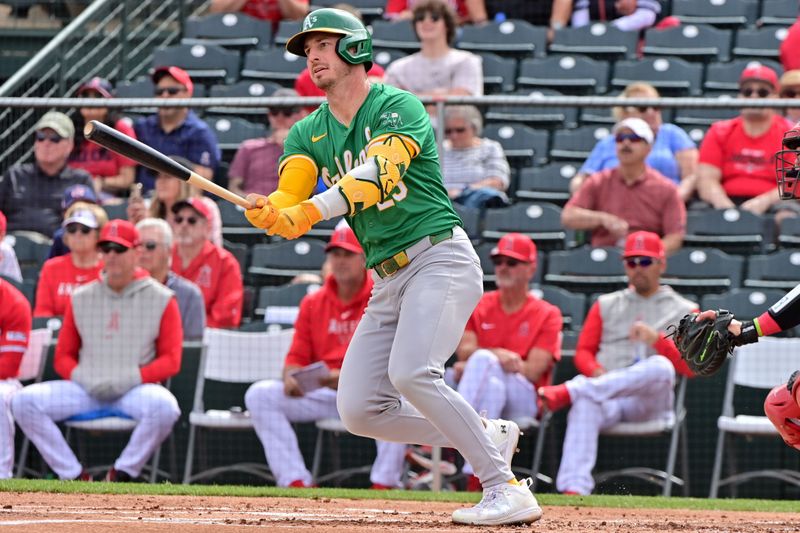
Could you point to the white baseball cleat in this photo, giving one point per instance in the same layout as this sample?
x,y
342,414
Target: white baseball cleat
x,y
502,504
505,435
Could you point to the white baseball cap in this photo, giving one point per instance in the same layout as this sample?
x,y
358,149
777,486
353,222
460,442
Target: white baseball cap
x,y
84,217
637,126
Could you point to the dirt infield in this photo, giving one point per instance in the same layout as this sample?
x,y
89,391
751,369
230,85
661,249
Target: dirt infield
x,y
40,512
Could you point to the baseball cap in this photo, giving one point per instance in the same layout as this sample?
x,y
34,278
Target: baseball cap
x,y
517,246
790,77
58,122
344,238
195,203
77,192
643,244
101,85
82,216
176,72
121,232
637,126
759,73
3,223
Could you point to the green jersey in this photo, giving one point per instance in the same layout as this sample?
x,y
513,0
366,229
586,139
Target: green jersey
x,y
419,205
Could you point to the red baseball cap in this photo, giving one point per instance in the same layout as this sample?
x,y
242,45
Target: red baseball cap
x,y
517,246
3,223
176,72
759,73
643,244
344,238
99,85
121,232
195,203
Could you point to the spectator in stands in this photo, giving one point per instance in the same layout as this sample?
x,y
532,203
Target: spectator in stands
x,y
737,166
437,69
30,192
177,130
212,268
271,10
323,330
121,338
554,13
789,46
629,197
790,88
511,343
627,15
15,330
167,192
627,364
255,165
113,173
475,169
155,257
673,154
63,274
9,266
404,9
76,197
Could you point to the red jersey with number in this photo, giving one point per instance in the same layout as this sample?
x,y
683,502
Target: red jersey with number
x,y
59,278
216,271
15,329
325,325
102,162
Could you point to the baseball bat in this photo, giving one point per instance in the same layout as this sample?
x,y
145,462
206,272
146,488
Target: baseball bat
x,y
120,143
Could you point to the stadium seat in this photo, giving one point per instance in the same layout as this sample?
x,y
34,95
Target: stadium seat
x,y
587,270
760,42
118,210
275,64
571,304
27,287
286,259
231,30
231,131
597,40
484,251
703,270
534,115
777,270
279,305
672,77
789,235
324,228
703,43
32,250
725,76
758,366
540,222
471,217
286,28
242,89
369,9
386,56
730,13
143,88
236,228
236,359
778,13
570,74
399,35
743,302
499,73
31,370
578,143
204,63
522,145
549,183
734,231
508,38
696,133
240,251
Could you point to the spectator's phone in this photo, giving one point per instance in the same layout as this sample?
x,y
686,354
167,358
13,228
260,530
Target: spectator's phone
x,y
136,191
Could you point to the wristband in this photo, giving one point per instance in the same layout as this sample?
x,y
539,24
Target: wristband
x,y
748,335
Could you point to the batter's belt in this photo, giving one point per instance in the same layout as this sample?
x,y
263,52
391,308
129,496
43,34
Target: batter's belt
x,y
400,259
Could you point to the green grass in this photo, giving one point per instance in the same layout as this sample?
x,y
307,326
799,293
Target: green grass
x,y
165,489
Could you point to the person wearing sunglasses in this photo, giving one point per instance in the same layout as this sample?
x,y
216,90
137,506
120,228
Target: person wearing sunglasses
x,y
63,274
737,165
674,154
255,166
627,365
790,88
121,338
30,193
177,130
630,197
212,268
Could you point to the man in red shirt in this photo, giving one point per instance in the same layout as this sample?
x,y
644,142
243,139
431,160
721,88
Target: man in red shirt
x,y
271,10
631,197
15,329
210,267
121,338
324,326
737,164
627,364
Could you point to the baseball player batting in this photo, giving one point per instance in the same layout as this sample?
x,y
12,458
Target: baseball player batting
x,y
374,147
782,405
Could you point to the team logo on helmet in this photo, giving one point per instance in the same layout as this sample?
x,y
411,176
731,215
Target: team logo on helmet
x,y
309,22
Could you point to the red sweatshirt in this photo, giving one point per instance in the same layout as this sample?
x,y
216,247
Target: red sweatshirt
x,y
15,329
58,279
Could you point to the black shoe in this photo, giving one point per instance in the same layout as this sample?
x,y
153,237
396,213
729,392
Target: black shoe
x,y
113,475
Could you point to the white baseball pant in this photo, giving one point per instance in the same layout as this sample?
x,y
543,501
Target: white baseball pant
x,y
640,392
38,407
392,383
272,412
7,389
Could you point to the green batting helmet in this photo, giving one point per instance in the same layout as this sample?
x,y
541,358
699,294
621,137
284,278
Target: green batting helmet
x,y
355,45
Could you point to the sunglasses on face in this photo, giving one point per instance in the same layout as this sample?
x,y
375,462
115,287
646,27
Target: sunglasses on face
x,y
643,262
172,91
790,93
189,220
642,109
435,17
632,137
91,94
75,228
507,261
107,247
150,245
54,138
286,112
761,93
450,131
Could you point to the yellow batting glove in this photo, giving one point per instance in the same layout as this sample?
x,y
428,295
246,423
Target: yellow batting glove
x,y
295,221
264,214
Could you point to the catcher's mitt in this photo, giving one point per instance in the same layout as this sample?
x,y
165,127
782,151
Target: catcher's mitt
x,y
704,345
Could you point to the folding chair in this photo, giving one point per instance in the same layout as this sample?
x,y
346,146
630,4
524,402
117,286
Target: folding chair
x,y
671,76
508,38
549,183
333,428
703,270
597,40
725,76
275,64
230,30
286,259
761,42
203,62
778,13
777,270
730,230
540,222
527,425
577,144
232,358
571,74
730,14
279,305
762,366
675,427
31,370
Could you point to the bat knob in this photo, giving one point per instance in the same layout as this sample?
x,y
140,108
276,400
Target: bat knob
x,y
89,129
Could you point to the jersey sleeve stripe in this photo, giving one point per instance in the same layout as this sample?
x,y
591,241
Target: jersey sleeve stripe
x,y
13,348
299,156
406,139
